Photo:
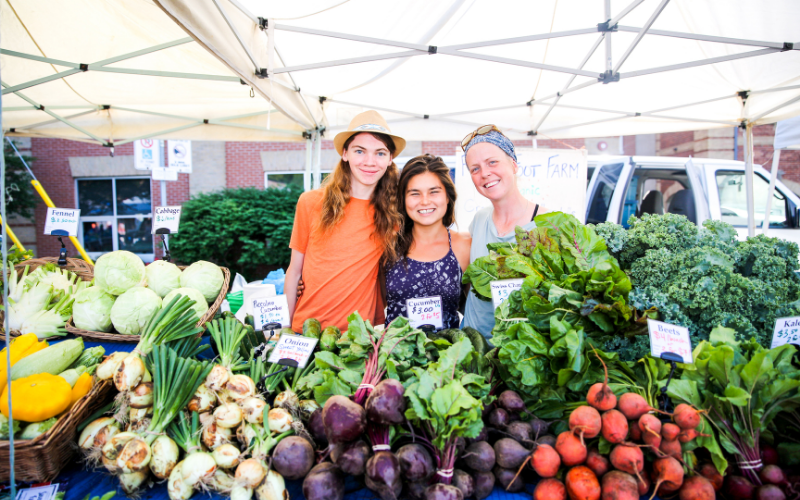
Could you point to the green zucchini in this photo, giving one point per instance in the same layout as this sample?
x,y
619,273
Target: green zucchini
x,y
53,359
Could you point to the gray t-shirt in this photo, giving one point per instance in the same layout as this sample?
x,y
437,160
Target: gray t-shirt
x,y
479,314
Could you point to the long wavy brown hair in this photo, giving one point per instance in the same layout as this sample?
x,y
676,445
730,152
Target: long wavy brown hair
x,y
416,166
388,221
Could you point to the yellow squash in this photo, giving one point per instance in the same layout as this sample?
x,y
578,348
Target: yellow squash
x,y
81,388
22,346
37,397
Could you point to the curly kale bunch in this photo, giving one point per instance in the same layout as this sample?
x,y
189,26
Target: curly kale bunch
x,y
702,277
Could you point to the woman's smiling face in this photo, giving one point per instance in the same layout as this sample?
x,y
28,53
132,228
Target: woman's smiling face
x,y
426,200
493,172
368,159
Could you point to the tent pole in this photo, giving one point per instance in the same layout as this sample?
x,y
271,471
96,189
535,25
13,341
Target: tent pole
x,y
317,160
779,106
640,35
608,40
702,62
309,159
232,27
707,38
623,13
773,177
748,180
518,62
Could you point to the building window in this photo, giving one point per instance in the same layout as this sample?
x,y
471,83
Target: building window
x,y
282,180
116,214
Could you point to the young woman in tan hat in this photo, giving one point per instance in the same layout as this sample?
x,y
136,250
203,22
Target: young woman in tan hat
x,y
344,229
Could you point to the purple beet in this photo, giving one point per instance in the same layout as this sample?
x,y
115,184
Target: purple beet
x,y
739,488
482,436
479,456
344,420
769,492
441,491
351,457
293,457
511,402
498,418
484,484
316,428
383,475
416,490
504,477
521,431
464,482
386,404
324,482
772,474
539,427
416,463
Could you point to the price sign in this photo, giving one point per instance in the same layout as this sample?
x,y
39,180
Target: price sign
x,y
502,289
165,174
425,311
62,219
166,218
294,347
787,331
270,310
39,493
669,338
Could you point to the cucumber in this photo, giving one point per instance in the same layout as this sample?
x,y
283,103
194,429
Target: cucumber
x,y
53,360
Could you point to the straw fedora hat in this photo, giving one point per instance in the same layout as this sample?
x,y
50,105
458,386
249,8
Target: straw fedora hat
x,y
368,121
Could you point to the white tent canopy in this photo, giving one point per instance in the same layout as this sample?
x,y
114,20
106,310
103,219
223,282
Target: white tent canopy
x,y
435,68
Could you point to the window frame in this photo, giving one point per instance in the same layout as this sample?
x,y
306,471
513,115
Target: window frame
x,y
114,218
759,221
293,172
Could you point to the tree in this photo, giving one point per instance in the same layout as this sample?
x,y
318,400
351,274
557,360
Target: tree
x,y
20,196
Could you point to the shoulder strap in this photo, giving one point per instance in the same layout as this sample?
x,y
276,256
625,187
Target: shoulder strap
x,y
449,239
535,209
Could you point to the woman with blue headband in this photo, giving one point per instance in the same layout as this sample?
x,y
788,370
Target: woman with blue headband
x,y
492,163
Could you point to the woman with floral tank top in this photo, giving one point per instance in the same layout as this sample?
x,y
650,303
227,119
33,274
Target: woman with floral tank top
x,y
430,257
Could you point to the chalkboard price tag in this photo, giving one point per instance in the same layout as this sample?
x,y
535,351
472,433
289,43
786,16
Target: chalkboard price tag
x,y
270,310
166,220
294,347
62,221
787,331
502,289
669,338
425,311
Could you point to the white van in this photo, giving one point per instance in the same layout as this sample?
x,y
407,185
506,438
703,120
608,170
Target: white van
x,y
699,188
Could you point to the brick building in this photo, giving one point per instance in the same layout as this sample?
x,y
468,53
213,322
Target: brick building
x,y
116,199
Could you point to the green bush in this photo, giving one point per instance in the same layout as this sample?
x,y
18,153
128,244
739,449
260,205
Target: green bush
x,y
242,229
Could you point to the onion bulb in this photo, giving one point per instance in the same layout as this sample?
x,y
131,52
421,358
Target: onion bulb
x,y
228,415
273,487
177,489
132,481
86,439
106,369
214,435
240,387
217,378
198,468
105,434
142,395
287,399
222,481
203,400
250,473
307,407
241,493
246,432
280,420
226,456
110,465
114,446
253,409
165,455
129,373
135,456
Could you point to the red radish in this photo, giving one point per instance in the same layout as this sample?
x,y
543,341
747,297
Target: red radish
x,y
633,405
586,420
709,471
668,476
597,462
671,448
550,489
769,455
772,474
769,492
739,488
686,417
600,396
650,423
582,484
697,488
670,431
634,432
545,461
571,449
618,485
644,483
615,426
628,459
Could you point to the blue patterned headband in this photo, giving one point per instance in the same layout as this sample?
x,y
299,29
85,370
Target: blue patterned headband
x,y
496,138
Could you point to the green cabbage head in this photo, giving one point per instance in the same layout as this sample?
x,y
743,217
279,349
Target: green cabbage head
x,y
92,309
200,305
163,277
134,309
116,272
204,277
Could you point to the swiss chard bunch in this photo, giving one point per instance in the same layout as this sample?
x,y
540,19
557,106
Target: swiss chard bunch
x,y
744,387
444,403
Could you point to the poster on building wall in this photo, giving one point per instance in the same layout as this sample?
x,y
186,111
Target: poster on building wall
x,y
553,178
146,154
179,155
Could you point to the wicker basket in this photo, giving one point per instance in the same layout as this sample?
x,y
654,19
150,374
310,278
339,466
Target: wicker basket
x,y
83,269
118,337
41,459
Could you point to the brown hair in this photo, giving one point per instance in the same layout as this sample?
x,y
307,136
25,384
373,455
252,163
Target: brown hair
x,y
336,195
416,166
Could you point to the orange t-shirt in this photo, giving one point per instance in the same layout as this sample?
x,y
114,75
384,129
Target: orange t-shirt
x,y
340,268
